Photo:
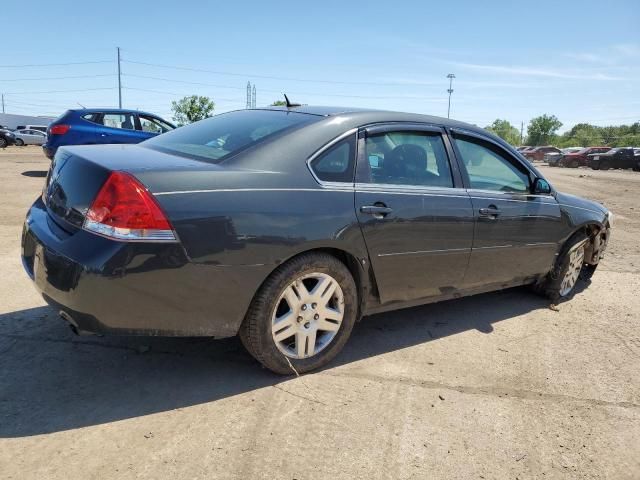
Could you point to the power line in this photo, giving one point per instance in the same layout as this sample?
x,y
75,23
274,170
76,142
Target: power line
x,y
55,78
175,93
54,64
183,81
336,95
61,91
273,77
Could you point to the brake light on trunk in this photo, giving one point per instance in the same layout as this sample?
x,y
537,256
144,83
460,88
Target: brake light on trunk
x,y
59,129
125,210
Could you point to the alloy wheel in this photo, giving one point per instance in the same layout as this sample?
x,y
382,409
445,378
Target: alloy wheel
x,y
307,315
576,261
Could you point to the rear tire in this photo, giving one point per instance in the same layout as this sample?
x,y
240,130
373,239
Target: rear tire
x,y
302,316
605,165
560,283
574,164
19,142
3,143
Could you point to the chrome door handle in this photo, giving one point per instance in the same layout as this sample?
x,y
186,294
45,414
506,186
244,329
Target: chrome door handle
x,y
378,211
491,211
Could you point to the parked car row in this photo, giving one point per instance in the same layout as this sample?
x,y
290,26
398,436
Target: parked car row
x,y
597,158
23,135
626,157
576,158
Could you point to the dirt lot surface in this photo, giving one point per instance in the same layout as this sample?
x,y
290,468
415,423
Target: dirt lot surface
x,y
493,386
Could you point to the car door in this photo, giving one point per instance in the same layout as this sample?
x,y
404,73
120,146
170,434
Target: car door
x,y
415,216
625,160
119,127
32,137
516,232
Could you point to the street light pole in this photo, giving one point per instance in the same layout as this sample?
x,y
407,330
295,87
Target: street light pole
x,y
451,76
119,82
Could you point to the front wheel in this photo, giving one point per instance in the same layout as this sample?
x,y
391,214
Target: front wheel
x,y
302,315
605,165
561,281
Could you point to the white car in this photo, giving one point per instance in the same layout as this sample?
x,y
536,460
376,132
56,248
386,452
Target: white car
x,y
30,137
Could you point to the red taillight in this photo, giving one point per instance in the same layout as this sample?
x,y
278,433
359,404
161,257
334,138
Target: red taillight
x,y
125,210
58,129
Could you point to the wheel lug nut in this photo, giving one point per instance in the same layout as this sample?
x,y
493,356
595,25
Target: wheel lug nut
x,y
299,319
304,307
314,305
316,316
306,325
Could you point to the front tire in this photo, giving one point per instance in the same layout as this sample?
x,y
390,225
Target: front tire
x,y
560,283
302,316
605,165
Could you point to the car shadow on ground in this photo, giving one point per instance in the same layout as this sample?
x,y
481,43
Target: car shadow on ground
x,y
35,173
52,380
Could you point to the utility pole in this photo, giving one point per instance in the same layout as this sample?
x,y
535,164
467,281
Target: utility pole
x,y
248,94
3,103
119,81
253,97
521,130
450,76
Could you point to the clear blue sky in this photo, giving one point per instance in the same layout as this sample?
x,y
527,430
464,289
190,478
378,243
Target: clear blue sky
x,y
579,60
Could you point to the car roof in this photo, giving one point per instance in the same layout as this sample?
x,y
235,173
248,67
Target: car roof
x,y
110,110
375,116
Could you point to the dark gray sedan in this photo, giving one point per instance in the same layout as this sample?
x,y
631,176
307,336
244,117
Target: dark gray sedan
x,y
287,225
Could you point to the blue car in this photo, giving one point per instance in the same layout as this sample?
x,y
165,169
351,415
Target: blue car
x,y
88,126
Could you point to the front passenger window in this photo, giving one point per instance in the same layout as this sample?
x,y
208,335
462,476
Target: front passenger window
x,y
488,169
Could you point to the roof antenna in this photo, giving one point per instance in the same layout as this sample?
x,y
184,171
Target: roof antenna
x,y
289,104
81,105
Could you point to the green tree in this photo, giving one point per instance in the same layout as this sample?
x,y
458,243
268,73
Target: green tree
x,y
279,103
587,135
505,130
191,109
541,130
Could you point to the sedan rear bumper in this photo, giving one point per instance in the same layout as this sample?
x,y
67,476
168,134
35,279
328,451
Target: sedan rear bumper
x,y
105,286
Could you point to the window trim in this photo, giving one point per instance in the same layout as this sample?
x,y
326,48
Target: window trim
x,y
506,153
325,148
377,128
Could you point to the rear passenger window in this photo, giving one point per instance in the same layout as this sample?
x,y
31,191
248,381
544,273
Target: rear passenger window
x,y
336,164
408,158
92,117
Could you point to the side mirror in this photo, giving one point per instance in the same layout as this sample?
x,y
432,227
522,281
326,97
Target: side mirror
x,y
541,187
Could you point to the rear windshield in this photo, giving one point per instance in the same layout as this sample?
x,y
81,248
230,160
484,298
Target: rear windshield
x,y
222,136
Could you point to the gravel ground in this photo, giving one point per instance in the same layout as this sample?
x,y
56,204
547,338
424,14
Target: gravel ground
x,y
493,386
